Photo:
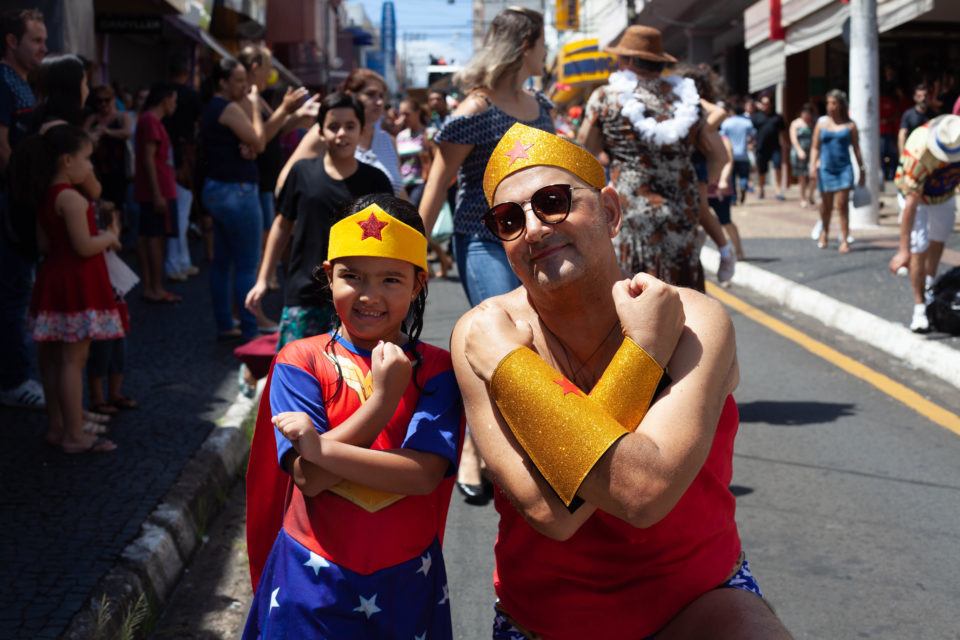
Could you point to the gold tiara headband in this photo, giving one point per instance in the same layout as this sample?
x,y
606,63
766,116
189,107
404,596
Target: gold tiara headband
x,y
522,147
374,232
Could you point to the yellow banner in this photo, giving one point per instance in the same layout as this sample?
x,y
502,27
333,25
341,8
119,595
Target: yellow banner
x,y
586,68
568,15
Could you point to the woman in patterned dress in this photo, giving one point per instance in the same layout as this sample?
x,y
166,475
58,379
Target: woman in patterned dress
x,y
513,50
648,123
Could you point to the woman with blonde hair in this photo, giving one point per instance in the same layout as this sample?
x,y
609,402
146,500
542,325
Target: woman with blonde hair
x,y
512,52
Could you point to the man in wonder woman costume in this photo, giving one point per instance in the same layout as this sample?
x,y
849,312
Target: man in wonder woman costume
x,y
602,406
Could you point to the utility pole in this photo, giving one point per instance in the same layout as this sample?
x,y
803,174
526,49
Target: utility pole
x,y
864,105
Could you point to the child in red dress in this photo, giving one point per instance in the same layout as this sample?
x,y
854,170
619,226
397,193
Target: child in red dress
x,y
72,301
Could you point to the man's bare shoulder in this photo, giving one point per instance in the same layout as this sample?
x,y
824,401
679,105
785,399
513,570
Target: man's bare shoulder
x,y
706,321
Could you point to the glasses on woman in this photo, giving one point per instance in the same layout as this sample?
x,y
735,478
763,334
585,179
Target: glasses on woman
x,y
551,205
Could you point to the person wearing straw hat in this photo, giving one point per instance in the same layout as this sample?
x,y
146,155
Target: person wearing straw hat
x,y
648,122
927,180
612,474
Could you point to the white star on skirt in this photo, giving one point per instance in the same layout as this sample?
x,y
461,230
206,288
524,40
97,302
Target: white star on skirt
x,y
427,563
316,562
368,606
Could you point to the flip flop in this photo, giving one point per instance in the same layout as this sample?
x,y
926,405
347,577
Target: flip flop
x,y
95,447
124,402
90,416
95,428
167,298
106,408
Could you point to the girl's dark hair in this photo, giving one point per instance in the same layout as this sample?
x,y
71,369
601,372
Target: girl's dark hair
x,y
32,167
413,324
222,71
58,90
159,92
339,100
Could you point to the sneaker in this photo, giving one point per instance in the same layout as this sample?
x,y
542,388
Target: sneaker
x,y
28,395
726,269
178,277
919,323
191,271
817,230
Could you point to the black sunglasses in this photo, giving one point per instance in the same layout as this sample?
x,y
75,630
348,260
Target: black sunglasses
x,y
551,204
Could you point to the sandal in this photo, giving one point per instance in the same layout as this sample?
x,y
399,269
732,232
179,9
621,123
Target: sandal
x,y
95,428
124,402
99,418
105,408
99,445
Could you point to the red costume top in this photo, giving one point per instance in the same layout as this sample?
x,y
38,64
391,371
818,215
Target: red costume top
x,y
613,580
357,528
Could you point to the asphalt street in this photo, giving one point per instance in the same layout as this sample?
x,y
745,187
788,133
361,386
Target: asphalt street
x,y
848,501
848,498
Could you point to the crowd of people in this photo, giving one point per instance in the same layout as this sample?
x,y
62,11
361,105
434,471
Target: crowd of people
x,y
579,255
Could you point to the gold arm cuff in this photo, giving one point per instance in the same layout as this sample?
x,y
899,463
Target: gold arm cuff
x,y
562,430
626,388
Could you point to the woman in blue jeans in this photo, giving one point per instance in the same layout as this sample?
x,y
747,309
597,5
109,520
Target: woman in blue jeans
x,y
231,141
513,50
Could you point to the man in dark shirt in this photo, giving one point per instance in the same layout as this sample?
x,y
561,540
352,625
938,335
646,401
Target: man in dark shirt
x,y
913,117
23,44
771,139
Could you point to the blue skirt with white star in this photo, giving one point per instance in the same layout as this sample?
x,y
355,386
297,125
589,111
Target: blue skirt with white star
x,y
303,595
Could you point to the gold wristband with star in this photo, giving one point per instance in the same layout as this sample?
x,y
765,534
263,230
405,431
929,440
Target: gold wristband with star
x,y
564,432
629,384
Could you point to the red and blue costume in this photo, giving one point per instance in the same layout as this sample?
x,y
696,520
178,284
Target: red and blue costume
x,y
350,562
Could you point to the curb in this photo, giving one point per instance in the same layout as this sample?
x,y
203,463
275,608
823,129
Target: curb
x,y
895,339
153,563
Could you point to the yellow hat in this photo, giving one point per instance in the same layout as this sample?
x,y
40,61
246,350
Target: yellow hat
x,y
522,146
374,232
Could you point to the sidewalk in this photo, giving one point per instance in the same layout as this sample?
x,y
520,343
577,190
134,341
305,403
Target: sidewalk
x,y
854,293
70,522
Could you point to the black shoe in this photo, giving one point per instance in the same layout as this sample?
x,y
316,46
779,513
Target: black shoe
x,y
476,494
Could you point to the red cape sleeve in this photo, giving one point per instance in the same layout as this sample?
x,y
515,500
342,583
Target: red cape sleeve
x,y
268,488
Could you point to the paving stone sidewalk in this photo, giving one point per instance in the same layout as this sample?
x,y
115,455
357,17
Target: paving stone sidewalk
x,y
66,519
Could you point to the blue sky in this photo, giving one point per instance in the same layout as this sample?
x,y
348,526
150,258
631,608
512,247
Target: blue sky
x,y
431,27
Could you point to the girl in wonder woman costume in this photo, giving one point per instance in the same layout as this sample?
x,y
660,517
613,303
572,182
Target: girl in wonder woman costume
x,y
366,423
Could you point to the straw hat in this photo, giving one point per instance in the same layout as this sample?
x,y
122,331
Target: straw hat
x,y
943,140
641,42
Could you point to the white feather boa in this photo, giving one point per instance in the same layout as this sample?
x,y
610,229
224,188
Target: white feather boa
x,y
686,110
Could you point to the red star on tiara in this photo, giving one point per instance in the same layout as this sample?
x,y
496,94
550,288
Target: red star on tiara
x,y
518,152
372,227
568,387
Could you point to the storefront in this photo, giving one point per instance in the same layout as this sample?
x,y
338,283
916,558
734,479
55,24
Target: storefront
x,y
917,43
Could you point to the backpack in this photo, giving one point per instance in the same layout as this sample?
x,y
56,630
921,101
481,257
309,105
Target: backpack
x,y
944,312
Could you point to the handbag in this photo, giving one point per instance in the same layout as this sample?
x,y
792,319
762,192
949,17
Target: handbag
x,y
443,227
861,196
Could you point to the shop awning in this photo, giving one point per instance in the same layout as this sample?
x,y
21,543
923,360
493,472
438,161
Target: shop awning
x,y
198,35
768,65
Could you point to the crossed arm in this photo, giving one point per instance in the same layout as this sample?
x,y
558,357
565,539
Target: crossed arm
x,y
643,474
